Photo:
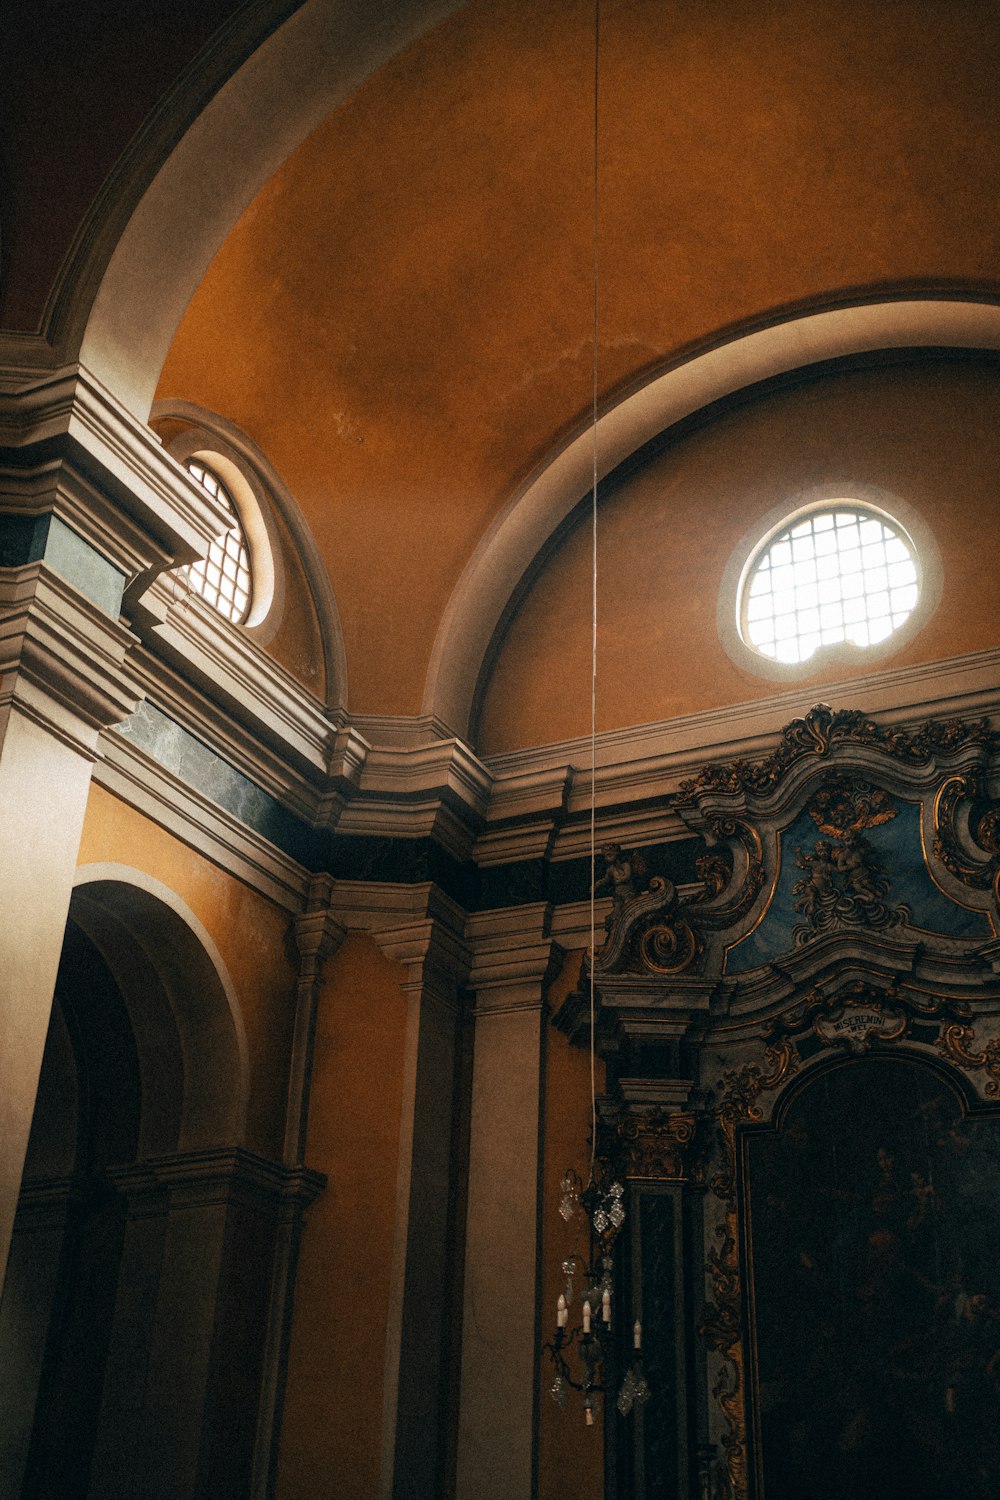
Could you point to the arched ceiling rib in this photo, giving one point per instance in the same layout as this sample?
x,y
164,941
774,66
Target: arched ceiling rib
x,y
522,531
124,288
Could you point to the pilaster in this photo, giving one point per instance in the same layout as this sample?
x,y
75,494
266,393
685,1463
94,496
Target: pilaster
x,y
88,509
317,938
422,1292
514,959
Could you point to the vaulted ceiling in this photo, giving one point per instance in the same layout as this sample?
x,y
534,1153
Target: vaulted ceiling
x,y
402,316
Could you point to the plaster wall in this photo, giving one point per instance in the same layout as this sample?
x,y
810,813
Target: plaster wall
x,y
925,434
402,319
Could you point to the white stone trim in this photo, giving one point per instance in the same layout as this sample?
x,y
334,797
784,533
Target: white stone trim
x,y
521,533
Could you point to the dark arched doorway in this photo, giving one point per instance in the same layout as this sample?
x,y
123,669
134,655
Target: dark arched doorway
x,y
137,1309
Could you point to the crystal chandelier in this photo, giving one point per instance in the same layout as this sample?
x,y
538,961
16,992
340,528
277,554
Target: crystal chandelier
x,y
593,1339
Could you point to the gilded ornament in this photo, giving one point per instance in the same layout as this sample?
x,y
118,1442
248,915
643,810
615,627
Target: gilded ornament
x,y
654,1145
981,875
957,1043
722,1323
844,885
819,731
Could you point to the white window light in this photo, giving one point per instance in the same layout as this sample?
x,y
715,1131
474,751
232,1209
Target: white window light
x,y
838,574
224,578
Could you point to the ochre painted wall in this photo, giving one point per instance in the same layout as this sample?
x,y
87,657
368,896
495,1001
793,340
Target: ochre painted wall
x,y
252,935
927,434
333,1406
402,319
570,1454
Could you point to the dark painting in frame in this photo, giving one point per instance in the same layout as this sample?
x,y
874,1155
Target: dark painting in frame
x,y
871,1244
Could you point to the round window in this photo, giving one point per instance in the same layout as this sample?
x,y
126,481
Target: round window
x,y
838,574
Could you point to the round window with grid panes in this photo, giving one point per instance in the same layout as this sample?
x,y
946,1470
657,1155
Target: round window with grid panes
x,y
837,575
224,578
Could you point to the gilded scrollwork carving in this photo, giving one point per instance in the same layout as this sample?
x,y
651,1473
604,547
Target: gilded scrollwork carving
x,y
727,830
722,1323
967,789
649,932
821,729
655,1145
957,1042
861,1013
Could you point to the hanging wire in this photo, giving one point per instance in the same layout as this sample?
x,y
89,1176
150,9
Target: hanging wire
x,y
593,657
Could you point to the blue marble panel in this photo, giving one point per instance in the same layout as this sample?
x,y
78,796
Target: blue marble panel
x,y
898,847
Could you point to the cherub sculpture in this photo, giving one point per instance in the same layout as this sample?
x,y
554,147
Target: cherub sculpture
x,y
622,874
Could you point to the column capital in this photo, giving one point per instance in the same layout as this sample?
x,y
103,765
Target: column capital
x,y
416,925
514,957
318,934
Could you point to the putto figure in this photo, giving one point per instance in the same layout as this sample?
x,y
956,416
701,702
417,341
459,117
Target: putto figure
x,y
623,874
844,884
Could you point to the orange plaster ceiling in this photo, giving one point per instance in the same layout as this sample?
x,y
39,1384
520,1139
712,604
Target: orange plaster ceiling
x,y
402,318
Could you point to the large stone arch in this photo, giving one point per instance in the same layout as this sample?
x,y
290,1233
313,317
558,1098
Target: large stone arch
x,y
259,88
524,532
181,1004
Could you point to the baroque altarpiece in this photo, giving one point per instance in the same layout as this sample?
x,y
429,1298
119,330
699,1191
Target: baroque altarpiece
x,y
803,1064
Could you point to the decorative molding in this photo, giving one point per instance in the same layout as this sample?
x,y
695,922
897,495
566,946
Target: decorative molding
x,y
652,1144
958,1042
514,957
62,658
245,699
57,486
100,438
722,1318
130,773
317,938
217,1177
823,728
674,748
967,832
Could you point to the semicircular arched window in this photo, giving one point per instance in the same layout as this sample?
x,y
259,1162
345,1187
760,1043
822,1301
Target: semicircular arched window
x,y
224,578
836,575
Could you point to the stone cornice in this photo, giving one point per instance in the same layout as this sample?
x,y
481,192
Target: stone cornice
x,y
57,486
439,790
223,688
219,1177
62,659
318,934
514,957
67,411
128,772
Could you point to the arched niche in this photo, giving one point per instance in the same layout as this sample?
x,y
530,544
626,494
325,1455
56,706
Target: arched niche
x,y
181,1003
137,1302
